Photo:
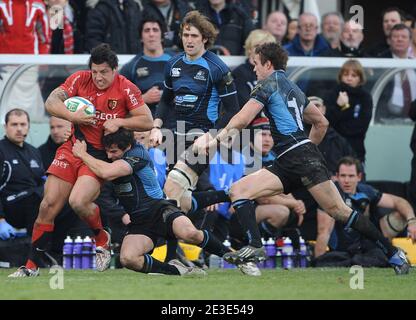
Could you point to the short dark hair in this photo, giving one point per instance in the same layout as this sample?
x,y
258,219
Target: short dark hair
x,y
350,161
274,53
103,54
400,26
17,112
152,18
122,138
392,9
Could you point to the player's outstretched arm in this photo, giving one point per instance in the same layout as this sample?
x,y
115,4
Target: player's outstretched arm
x,y
103,170
242,119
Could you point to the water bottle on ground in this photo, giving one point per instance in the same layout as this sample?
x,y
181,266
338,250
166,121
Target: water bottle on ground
x,y
77,253
270,262
303,254
287,254
67,252
215,262
86,262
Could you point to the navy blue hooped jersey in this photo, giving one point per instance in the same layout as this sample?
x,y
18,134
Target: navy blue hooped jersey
x,y
137,192
146,72
197,86
283,104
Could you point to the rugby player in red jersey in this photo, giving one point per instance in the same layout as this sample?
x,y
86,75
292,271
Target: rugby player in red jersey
x,y
118,103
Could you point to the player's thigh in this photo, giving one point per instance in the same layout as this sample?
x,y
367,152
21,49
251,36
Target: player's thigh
x,y
135,245
85,190
275,213
261,183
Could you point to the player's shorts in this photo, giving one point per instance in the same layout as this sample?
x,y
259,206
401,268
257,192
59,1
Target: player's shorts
x,y
68,167
303,166
157,222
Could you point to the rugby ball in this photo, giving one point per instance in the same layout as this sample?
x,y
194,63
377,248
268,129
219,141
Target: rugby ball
x,y
75,103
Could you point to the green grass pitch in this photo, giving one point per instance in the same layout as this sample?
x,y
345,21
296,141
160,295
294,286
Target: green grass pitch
x,y
328,283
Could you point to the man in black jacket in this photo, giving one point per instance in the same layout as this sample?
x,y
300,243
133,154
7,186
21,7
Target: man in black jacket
x,y
21,186
233,23
115,22
172,13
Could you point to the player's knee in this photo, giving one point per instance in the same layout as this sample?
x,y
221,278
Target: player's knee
x,y
130,261
238,191
192,235
46,211
77,204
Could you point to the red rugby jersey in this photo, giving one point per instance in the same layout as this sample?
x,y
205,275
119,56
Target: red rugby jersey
x,y
114,102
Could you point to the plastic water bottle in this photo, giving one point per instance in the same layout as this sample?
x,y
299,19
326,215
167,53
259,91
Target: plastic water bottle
x,y
270,263
279,246
87,253
287,254
67,252
77,254
262,263
93,256
225,264
215,261
303,253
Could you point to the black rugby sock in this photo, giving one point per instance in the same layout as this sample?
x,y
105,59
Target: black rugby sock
x,y
363,225
213,245
152,265
246,214
203,199
171,247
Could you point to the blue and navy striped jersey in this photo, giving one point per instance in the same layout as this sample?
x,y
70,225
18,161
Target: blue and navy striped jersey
x,y
197,86
138,191
283,104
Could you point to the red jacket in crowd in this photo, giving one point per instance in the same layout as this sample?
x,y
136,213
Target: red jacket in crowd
x,y
23,26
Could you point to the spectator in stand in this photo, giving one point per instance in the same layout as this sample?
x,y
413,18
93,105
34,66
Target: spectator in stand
x,y
292,30
233,23
58,135
172,13
61,32
395,100
276,24
114,22
352,37
332,25
23,27
350,106
308,43
391,17
146,69
244,76
412,49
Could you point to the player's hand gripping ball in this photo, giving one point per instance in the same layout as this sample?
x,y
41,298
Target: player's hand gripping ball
x,y
73,104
